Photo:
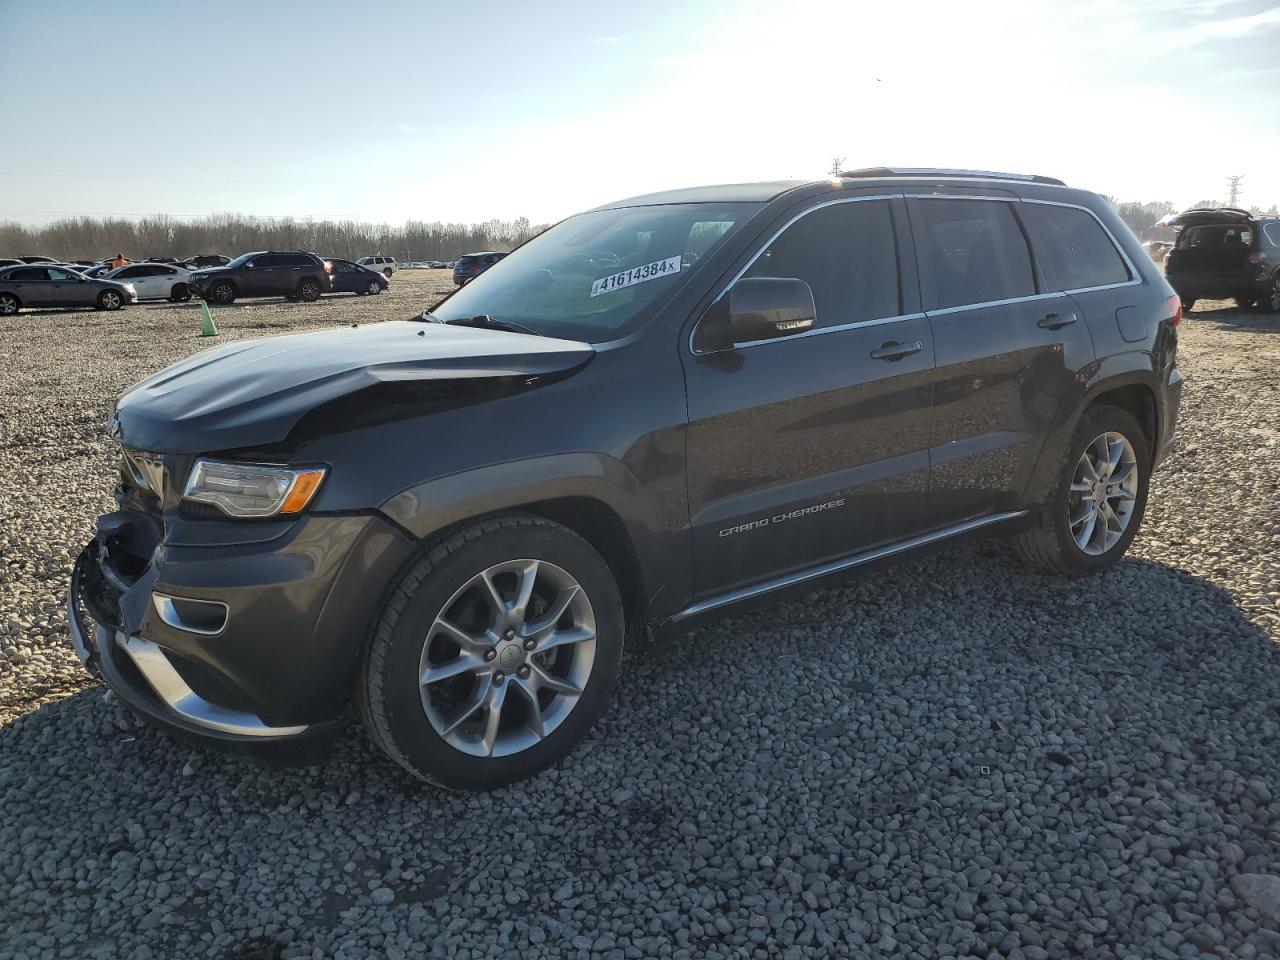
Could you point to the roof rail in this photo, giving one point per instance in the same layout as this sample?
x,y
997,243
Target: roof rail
x,y
869,172
1214,210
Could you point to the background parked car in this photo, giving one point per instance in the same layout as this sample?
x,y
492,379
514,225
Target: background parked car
x,y
473,264
294,274
154,281
348,277
208,260
1225,252
40,285
37,260
384,265
6,262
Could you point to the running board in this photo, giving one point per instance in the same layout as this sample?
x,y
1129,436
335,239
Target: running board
x,y
836,566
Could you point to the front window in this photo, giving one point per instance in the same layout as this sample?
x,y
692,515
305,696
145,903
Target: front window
x,y
597,276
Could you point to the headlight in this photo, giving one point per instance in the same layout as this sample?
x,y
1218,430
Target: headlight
x,y
252,489
130,288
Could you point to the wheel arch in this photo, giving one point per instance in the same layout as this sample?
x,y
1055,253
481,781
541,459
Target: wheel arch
x,y
591,494
17,298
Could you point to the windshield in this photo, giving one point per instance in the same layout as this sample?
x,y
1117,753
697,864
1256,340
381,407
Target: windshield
x,y
596,276
242,259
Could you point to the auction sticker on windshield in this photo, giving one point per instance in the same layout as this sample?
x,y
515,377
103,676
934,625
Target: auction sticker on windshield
x,y
628,278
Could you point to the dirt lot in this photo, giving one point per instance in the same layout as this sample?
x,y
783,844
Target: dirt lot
x,y
955,758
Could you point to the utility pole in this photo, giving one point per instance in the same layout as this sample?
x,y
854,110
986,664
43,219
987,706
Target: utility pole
x,y
837,164
1233,188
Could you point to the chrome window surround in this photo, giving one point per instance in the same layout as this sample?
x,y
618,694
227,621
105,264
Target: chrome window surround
x,y
1135,278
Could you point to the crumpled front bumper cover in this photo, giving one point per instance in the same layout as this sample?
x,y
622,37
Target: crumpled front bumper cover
x,y
299,598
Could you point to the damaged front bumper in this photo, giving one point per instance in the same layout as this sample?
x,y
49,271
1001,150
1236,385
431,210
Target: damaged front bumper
x,y
244,635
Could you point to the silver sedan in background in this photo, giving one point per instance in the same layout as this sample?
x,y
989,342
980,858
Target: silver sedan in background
x,y
41,285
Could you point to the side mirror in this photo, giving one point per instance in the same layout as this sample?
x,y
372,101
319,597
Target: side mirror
x,y
249,265
758,308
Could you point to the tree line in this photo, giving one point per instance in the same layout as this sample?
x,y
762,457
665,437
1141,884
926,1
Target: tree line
x,y
94,238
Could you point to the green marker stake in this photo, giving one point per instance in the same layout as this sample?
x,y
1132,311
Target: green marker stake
x,y
207,328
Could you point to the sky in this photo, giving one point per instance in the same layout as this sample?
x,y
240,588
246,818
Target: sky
x,y
463,112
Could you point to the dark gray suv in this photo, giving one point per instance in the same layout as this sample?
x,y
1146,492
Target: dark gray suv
x,y
657,411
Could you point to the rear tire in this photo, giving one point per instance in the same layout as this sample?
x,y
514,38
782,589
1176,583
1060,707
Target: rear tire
x,y
387,273
476,727
222,293
1052,543
308,291
9,305
180,293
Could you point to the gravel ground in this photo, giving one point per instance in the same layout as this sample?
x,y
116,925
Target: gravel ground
x,y
954,758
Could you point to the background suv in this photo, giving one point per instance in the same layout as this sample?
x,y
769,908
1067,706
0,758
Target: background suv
x,y
270,273
471,265
1225,252
652,413
384,265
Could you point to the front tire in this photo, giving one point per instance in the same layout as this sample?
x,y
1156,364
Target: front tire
x,y
222,293
1269,302
495,654
1097,505
180,293
1187,304
110,300
374,288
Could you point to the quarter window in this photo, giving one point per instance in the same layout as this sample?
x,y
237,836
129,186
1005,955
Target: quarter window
x,y
1073,247
848,255
975,251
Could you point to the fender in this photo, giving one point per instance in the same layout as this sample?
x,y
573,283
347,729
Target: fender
x,y
663,557
1134,367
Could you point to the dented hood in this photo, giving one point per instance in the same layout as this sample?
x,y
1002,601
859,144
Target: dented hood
x,y
253,392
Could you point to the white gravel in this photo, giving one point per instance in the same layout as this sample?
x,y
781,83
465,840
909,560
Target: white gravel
x,y
953,758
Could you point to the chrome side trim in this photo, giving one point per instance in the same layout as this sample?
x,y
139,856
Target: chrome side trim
x,y
185,702
169,614
836,566
943,311
836,329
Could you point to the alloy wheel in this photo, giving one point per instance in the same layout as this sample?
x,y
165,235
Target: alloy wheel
x,y
8,305
110,300
508,658
1274,299
374,287
1103,493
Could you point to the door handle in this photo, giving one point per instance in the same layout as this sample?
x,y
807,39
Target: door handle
x,y
1052,321
893,350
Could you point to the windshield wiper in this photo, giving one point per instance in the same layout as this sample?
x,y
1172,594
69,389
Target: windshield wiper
x,y
487,322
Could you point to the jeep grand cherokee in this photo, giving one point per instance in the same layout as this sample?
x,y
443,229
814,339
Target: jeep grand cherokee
x,y
657,411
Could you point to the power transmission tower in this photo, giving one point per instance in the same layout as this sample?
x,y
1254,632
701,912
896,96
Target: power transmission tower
x,y
837,164
1233,188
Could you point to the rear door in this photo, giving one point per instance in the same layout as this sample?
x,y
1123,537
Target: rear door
x,y
33,286
815,446
1007,351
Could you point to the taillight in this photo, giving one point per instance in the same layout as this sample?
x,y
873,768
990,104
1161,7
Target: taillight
x,y
1174,306
1255,256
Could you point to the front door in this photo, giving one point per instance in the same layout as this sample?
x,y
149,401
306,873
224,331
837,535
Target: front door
x,y
1008,350
815,446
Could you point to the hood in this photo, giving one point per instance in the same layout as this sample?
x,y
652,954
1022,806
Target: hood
x,y
253,392
221,269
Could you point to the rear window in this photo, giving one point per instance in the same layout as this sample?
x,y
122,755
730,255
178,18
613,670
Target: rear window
x,y
975,251
1215,235
1073,247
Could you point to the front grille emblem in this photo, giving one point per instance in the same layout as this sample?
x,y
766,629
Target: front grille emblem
x,y
146,469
